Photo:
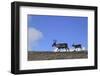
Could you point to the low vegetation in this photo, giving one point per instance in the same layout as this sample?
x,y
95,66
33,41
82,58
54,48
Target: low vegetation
x,y
57,55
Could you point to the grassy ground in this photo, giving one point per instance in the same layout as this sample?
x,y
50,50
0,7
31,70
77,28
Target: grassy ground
x,y
56,55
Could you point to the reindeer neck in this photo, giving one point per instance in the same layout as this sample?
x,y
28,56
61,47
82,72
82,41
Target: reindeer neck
x,y
54,44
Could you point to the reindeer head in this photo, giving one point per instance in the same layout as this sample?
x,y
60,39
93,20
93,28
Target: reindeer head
x,y
73,44
54,43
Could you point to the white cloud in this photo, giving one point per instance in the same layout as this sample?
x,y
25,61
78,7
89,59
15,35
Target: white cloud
x,y
55,50
71,49
61,50
34,36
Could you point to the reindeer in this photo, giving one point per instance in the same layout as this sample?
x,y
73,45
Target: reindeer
x,y
60,45
77,46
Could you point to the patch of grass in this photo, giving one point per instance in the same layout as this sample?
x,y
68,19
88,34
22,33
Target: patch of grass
x,y
56,55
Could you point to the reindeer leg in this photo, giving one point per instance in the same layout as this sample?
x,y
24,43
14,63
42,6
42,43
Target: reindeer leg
x,y
74,49
58,50
81,48
66,49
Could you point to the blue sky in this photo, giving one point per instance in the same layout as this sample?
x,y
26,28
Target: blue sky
x,y
43,29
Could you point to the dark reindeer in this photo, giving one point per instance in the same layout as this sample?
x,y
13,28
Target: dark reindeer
x,y
77,46
60,45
